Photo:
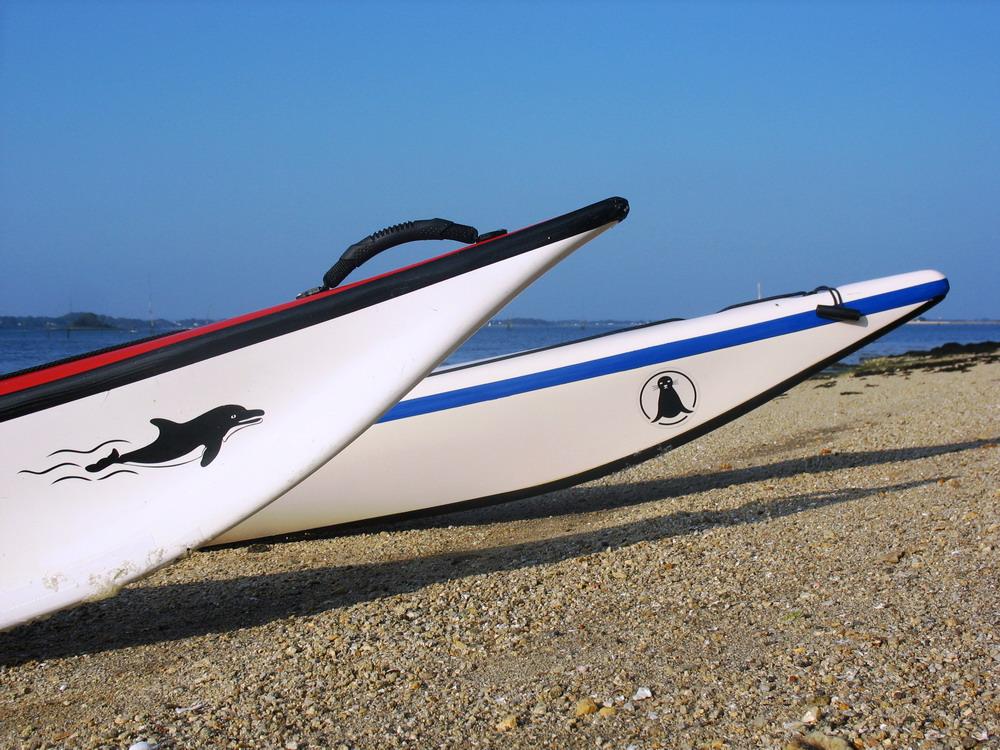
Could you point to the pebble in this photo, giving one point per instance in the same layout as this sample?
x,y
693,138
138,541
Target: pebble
x,y
507,723
743,598
894,556
585,706
811,716
818,741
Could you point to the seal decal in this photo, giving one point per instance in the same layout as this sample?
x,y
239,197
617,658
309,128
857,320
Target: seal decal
x,y
668,398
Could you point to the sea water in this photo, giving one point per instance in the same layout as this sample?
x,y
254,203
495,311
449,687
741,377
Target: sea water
x,y
20,349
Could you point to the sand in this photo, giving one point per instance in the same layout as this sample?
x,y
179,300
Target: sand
x,y
821,573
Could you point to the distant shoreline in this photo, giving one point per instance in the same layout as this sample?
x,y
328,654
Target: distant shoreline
x,y
88,321
977,322
98,322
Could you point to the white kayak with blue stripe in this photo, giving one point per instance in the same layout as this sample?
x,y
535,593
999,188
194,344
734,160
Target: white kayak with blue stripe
x,y
526,423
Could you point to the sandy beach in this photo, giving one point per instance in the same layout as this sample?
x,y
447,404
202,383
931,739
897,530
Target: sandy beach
x,y
822,573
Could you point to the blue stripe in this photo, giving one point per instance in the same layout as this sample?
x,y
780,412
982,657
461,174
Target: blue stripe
x,y
657,354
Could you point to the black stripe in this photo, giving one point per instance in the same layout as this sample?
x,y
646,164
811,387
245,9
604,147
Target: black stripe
x,y
310,313
92,353
599,471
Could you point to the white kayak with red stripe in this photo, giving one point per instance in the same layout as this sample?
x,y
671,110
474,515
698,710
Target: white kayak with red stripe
x,y
113,464
518,425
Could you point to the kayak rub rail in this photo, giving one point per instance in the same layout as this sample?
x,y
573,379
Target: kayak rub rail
x,y
26,392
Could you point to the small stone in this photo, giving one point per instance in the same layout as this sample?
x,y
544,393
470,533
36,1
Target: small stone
x,y
817,741
507,723
140,745
585,706
643,693
811,716
894,556
606,712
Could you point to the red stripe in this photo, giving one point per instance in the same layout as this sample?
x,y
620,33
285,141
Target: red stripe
x,y
86,364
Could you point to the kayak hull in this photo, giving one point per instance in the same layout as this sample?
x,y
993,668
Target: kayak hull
x,y
104,481
518,425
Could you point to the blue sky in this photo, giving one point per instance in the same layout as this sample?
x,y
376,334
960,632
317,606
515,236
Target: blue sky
x,y
218,156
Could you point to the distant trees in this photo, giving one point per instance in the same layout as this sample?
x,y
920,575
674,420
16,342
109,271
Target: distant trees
x,y
88,320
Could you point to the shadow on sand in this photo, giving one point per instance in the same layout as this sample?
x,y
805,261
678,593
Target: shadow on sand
x,y
586,499
154,614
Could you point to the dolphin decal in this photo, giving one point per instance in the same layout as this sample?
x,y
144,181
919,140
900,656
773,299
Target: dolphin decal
x,y
178,439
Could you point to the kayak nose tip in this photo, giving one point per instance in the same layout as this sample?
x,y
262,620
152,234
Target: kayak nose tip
x,y
621,206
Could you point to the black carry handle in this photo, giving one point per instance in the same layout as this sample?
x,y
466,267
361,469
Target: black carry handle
x,y
839,312
408,231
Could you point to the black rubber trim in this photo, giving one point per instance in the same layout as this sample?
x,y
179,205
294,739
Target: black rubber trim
x,y
834,292
314,311
600,471
91,353
773,297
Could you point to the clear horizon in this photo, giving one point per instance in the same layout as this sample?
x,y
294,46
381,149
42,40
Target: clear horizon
x,y
215,158
502,316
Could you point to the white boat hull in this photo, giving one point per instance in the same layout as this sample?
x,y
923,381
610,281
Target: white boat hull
x,y
102,481
517,425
